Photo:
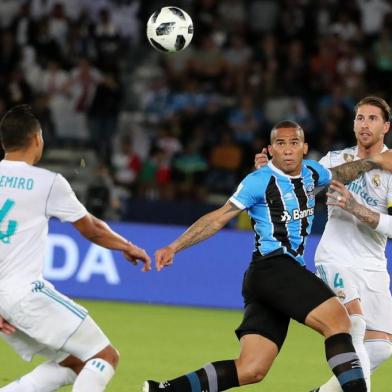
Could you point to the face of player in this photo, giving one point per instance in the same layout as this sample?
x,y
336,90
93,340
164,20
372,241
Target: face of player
x,y
370,126
287,150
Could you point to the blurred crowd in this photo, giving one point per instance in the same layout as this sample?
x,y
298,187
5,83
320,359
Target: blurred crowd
x,y
202,113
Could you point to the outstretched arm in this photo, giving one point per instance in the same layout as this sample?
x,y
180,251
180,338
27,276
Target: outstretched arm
x,y
202,229
100,233
350,171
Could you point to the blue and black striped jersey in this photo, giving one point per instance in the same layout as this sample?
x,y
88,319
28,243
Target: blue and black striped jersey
x,y
281,207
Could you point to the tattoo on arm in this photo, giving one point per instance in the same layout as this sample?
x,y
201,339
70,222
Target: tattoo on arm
x,y
350,171
205,227
369,217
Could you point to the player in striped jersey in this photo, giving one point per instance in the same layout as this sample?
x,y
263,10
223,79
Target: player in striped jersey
x,y
351,254
280,201
47,323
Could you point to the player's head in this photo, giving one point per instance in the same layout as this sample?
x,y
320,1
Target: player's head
x,y
287,146
372,121
20,130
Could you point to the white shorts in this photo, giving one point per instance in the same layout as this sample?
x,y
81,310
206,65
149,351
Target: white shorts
x,y
371,287
52,325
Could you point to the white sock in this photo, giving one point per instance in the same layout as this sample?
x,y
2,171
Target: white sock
x,y
379,350
47,377
332,385
357,332
94,376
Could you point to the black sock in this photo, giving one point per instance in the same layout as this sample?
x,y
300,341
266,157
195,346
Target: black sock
x,y
344,362
214,377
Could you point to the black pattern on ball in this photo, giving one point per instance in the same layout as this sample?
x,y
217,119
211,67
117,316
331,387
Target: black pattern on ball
x,y
155,15
180,42
165,28
178,12
157,45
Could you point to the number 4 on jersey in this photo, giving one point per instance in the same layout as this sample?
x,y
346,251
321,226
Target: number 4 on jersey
x,y
5,236
338,281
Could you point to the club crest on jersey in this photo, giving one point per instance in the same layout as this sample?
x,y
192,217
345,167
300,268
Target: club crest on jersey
x,y
310,191
348,157
376,180
341,295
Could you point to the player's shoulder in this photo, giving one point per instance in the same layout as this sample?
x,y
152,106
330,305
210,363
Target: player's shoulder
x,y
312,164
43,172
261,173
259,177
347,154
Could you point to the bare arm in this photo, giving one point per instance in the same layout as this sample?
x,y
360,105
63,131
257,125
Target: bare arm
x,y
349,171
6,327
202,229
343,198
99,232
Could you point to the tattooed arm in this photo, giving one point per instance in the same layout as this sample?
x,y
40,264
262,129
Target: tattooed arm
x,y
202,229
349,171
343,198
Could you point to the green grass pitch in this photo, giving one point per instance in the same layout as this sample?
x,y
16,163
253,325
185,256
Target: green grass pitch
x,y
162,342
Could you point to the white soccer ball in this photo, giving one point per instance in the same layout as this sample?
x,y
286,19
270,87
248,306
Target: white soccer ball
x,y
170,29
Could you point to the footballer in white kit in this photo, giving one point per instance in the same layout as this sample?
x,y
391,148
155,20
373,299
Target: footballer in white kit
x,y
350,256
29,196
47,322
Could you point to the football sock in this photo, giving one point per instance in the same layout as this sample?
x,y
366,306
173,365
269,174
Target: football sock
x,y
94,376
357,332
344,362
46,377
213,377
379,350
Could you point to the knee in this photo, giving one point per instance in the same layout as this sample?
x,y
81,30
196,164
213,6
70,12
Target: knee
x,y
110,354
329,319
115,356
250,373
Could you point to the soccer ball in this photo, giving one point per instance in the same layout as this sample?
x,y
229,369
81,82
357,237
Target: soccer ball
x,y
170,29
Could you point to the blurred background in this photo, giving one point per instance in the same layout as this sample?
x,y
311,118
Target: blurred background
x,y
164,138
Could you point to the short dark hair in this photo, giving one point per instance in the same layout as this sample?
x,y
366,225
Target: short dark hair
x,y
378,102
17,127
286,124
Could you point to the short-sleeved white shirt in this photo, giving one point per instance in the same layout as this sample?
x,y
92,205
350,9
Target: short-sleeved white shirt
x,y
346,240
29,197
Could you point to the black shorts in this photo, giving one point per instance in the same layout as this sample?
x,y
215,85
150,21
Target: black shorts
x,y
275,290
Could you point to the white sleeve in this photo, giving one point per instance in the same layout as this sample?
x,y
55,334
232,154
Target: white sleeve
x,y
62,202
385,225
326,161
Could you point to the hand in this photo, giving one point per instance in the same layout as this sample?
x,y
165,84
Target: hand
x,y
164,257
6,327
340,197
133,253
383,160
261,159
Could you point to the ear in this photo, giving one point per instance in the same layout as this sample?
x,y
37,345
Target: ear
x,y
270,150
36,138
387,127
306,148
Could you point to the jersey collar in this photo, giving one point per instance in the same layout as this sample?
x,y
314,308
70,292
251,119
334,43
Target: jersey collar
x,y
275,169
385,148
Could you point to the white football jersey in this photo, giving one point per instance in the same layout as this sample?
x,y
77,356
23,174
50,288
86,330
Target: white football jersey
x,y
346,240
29,197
